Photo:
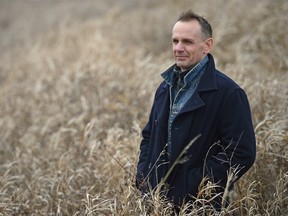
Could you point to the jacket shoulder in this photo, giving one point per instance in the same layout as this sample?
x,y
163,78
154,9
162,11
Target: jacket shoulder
x,y
225,82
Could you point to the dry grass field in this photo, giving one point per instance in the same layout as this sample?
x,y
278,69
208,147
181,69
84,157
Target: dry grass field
x,y
77,79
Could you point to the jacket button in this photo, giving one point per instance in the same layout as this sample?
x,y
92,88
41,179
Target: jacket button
x,y
155,122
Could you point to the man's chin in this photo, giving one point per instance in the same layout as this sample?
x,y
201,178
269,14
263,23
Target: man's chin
x,y
182,66
185,67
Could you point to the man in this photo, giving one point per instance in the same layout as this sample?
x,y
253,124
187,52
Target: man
x,y
200,109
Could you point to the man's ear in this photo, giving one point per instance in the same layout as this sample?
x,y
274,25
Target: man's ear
x,y
208,45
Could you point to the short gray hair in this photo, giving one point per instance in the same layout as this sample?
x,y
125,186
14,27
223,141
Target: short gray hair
x,y
205,25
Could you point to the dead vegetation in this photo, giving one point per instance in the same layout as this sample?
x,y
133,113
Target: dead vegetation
x,y
73,103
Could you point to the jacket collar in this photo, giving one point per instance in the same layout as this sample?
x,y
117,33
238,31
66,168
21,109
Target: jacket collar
x,y
172,74
207,83
208,80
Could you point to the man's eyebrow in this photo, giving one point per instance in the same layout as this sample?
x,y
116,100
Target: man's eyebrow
x,y
188,39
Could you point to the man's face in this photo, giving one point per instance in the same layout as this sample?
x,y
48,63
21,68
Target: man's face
x,y
189,48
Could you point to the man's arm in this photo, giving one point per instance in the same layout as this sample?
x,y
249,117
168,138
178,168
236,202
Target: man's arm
x,y
144,148
237,141
236,133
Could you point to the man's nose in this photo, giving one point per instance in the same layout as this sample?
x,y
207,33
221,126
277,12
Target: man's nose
x,y
179,47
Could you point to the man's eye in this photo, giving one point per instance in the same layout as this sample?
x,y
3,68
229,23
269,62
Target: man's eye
x,y
189,42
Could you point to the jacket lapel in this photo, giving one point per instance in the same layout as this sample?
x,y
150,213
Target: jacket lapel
x,y
193,103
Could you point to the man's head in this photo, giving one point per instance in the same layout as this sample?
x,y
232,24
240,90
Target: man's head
x,y
192,40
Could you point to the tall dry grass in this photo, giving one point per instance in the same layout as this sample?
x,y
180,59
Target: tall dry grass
x,y
74,101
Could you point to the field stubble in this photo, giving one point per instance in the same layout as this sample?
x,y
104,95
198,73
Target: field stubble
x,y
74,101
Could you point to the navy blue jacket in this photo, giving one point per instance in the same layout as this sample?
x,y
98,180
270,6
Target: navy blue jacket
x,y
219,112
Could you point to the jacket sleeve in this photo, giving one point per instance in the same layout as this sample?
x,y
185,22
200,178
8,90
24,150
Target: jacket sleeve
x,y
236,150
237,138
146,137
144,148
